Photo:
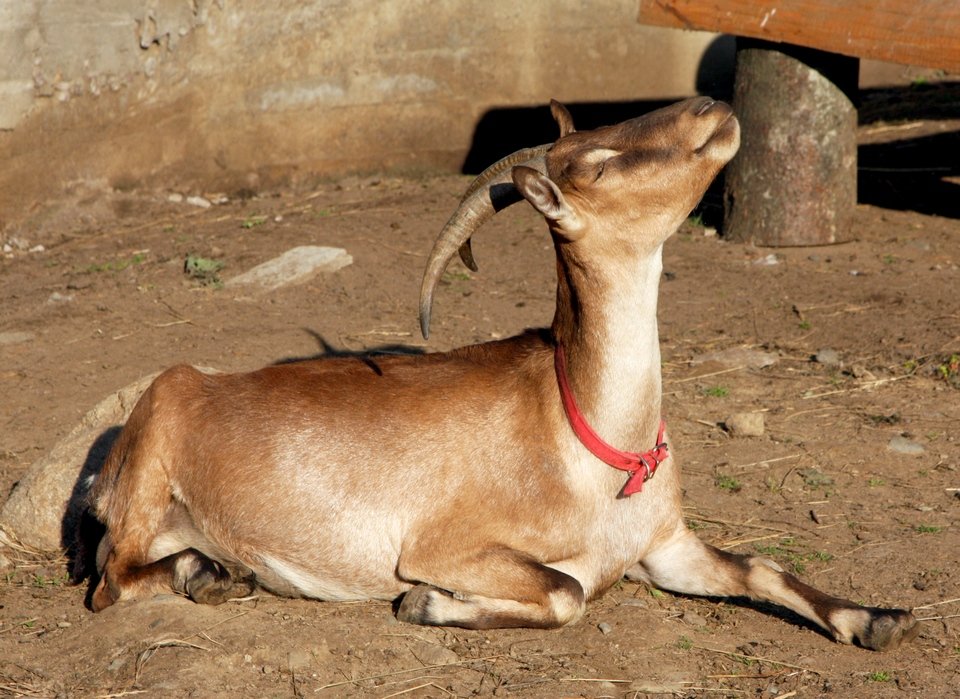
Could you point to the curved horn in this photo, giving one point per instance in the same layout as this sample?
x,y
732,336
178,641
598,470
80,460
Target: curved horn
x,y
494,172
490,192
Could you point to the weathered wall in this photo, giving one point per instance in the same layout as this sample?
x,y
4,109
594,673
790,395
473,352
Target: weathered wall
x,y
231,93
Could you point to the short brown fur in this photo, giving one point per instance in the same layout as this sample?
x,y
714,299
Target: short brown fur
x,y
454,480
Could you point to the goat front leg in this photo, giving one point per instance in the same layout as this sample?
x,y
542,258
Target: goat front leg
x,y
687,565
489,590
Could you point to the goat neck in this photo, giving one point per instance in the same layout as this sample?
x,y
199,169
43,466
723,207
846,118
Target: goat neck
x,y
611,197
606,322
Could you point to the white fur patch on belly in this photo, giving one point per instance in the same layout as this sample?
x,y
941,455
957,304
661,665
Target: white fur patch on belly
x,y
287,579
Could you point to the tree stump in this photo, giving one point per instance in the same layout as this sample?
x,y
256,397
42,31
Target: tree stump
x,y
794,181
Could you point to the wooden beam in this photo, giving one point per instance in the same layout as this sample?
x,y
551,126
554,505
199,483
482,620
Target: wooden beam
x,y
912,32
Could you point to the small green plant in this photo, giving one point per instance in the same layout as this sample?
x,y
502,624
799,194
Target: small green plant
x,y
716,391
41,580
118,265
456,276
927,529
684,643
949,370
910,365
875,482
888,259
696,220
203,269
728,483
655,593
253,221
879,676
805,325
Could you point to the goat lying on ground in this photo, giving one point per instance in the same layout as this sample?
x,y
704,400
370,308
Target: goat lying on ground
x,y
476,482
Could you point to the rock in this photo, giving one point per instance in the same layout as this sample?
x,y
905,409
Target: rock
x,y
605,628
299,660
767,260
175,198
902,445
49,499
693,619
14,337
293,267
43,512
739,356
858,371
434,654
745,424
199,201
828,357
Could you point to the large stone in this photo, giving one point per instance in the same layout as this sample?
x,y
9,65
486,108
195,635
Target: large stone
x,y
293,267
44,509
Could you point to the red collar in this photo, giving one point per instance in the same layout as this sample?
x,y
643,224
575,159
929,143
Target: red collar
x,y
641,466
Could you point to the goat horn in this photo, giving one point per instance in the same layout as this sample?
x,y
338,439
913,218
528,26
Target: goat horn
x,y
490,192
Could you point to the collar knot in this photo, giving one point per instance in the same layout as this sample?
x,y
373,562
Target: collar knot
x,y
640,466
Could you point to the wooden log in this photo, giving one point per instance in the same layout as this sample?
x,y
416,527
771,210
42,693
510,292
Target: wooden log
x,y
914,32
794,181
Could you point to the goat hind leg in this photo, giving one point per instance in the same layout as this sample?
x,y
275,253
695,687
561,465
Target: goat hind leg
x,y
188,572
687,565
495,589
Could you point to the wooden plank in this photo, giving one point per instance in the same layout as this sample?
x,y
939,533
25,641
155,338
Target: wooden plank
x,y
913,32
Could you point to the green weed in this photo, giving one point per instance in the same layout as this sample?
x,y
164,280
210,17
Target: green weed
x,y
728,483
253,221
118,265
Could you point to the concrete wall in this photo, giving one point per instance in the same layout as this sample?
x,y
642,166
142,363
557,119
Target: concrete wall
x,y
221,94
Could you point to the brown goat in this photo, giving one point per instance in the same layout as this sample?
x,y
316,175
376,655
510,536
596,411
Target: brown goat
x,y
470,482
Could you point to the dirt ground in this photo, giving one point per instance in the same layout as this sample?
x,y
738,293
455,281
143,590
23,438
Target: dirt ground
x,y
822,491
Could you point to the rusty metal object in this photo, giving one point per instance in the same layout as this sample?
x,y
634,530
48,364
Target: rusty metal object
x,y
794,181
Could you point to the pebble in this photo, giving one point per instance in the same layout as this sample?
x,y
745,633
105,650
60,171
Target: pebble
x,y
64,624
176,198
693,619
299,660
768,261
739,356
15,337
57,297
202,202
827,356
605,628
745,424
902,445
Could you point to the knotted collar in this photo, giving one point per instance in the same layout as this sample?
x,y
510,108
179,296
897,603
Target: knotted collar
x,y
641,466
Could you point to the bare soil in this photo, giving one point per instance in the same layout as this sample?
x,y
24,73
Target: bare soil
x,y
822,492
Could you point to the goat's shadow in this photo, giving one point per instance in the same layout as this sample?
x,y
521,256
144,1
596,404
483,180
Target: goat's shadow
x,y
81,531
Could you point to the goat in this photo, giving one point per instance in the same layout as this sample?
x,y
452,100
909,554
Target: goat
x,y
472,483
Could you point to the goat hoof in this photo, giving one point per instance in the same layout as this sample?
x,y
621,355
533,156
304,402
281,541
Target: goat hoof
x,y
889,628
415,606
212,584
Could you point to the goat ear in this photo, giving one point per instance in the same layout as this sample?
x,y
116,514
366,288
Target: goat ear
x,y
562,117
546,197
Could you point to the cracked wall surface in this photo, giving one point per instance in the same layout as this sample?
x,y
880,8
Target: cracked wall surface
x,y
220,94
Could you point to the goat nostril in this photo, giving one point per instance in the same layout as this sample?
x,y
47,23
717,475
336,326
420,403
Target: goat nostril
x,y
705,107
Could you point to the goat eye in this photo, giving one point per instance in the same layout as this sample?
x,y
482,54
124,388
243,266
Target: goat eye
x,y
600,170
